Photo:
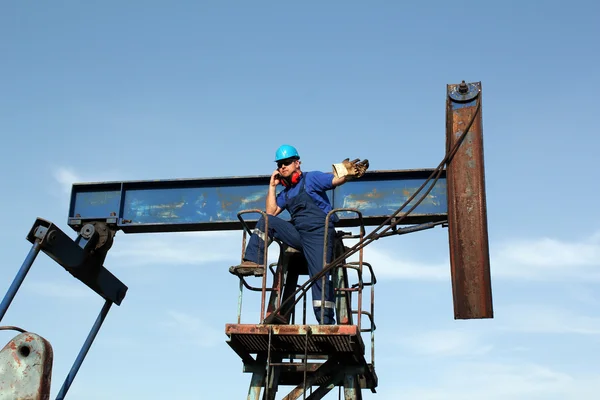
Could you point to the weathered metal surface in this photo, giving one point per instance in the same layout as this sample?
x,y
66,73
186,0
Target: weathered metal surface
x,y
292,339
314,330
293,373
272,342
80,258
467,216
463,92
256,385
380,193
351,388
208,204
26,368
326,376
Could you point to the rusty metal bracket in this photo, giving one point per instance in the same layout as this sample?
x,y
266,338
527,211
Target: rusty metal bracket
x,y
463,92
82,257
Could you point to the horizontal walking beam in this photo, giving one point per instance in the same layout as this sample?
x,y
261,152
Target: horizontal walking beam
x,y
213,203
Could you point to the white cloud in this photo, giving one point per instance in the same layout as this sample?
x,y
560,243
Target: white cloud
x,y
447,342
547,252
539,259
75,290
191,329
479,339
583,294
449,377
495,381
387,266
545,319
548,259
66,177
183,248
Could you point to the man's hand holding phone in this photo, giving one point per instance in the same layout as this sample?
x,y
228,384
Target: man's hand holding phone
x,y
275,178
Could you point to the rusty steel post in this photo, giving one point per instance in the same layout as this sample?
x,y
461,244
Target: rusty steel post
x,y
467,215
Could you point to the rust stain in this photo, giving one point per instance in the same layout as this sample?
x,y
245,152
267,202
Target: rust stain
x,y
467,217
374,194
16,357
291,329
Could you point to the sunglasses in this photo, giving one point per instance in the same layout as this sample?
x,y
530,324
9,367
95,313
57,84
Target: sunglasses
x,y
284,163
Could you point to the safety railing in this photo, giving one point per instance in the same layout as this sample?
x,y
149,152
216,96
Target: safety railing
x,y
351,305
360,284
263,288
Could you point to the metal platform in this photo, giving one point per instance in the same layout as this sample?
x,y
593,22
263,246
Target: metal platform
x,y
336,345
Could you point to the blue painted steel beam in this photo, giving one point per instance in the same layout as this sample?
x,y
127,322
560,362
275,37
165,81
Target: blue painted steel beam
x,y
214,203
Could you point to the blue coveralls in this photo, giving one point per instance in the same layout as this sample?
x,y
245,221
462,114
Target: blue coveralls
x,y
306,233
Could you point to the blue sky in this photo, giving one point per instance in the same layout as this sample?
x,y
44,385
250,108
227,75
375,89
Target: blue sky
x,y
162,90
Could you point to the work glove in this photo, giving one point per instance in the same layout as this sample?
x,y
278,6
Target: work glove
x,y
350,169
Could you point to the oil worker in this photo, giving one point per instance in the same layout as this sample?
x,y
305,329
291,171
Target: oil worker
x,y
304,197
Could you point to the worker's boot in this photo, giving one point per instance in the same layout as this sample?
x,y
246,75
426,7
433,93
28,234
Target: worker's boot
x,y
247,268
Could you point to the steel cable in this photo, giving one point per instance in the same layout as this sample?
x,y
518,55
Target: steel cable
x,y
12,328
374,235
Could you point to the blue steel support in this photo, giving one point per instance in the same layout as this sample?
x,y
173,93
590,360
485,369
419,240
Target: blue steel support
x,y
82,258
84,350
214,203
16,284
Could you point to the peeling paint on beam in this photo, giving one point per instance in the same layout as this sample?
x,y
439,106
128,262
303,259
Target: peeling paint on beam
x,y
214,203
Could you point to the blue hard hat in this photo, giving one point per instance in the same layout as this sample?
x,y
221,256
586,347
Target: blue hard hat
x,y
286,151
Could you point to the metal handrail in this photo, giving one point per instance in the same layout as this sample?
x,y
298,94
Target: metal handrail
x,y
357,266
325,247
265,258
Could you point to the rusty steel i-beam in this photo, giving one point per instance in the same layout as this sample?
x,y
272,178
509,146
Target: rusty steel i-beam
x,y
467,215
